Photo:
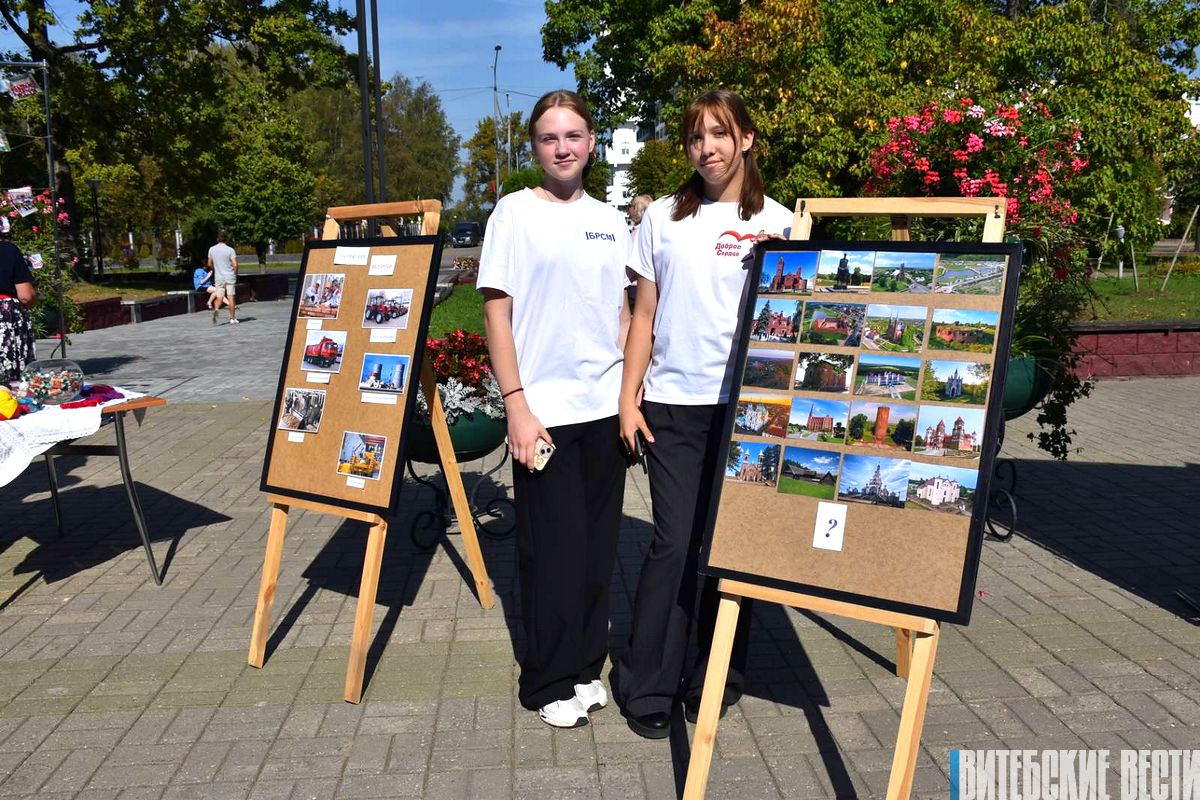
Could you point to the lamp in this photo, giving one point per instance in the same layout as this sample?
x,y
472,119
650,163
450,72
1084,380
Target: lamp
x,y
97,257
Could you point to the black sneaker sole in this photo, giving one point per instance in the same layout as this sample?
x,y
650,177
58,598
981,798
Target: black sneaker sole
x,y
594,707
692,716
645,732
579,723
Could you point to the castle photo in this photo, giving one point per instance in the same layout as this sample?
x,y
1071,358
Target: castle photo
x,y
762,415
876,481
845,271
956,382
903,272
969,274
894,377
838,324
751,462
949,490
888,425
816,420
788,273
949,432
775,320
963,329
812,473
894,328
824,372
768,369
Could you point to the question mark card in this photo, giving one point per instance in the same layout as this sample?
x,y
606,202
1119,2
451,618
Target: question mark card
x,y
830,526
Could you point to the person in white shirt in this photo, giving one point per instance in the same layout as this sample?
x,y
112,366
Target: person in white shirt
x,y
692,258
222,260
552,273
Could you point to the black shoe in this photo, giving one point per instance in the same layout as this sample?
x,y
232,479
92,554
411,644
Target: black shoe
x,y
655,725
691,709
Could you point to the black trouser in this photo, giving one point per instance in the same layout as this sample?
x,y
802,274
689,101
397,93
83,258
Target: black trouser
x,y
568,516
651,672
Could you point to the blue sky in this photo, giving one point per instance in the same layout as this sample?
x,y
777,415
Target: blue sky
x,y
906,313
857,470
820,408
910,260
965,316
863,259
819,460
450,44
944,369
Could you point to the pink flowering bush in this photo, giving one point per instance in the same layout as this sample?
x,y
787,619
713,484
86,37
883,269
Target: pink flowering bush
x,y
1025,157
34,234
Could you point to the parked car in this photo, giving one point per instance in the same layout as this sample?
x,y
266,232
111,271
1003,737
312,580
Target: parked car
x,y
466,234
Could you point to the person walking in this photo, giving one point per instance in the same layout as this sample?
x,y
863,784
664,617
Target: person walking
x,y
552,273
692,257
222,260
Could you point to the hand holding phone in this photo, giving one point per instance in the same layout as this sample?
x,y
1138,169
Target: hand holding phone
x,y
542,453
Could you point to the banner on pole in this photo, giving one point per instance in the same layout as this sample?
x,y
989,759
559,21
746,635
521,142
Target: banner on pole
x,y
23,86
22,200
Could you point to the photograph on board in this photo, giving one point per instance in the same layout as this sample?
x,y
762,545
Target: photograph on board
x,y
788,273
323,351
823,372
956,382
969,274
387,308
815,420
949,432
894,329
963,329
382,372
768,369
322,295
762,415
752,462
812,473
875,481
361,455
775,320
839,324
845,271
903,272
302,410
934,487
894,377
888,425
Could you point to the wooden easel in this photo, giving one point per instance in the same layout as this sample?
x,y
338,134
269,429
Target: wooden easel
x,y
916,636
280,506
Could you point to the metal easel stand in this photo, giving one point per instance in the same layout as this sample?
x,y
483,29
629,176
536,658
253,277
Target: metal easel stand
x,y
429,526
1001,519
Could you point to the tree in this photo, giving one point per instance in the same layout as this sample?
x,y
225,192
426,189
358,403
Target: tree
x,y
734,459
903,434
658,169
764,319
857,423
769,461
480,179
268,192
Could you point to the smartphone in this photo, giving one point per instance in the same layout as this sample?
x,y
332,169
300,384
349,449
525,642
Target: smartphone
x,y
639,451
543,450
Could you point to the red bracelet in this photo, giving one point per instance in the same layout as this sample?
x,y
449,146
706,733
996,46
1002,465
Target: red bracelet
x,y
514,391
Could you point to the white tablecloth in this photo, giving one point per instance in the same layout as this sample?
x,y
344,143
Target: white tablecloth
x,y
25,438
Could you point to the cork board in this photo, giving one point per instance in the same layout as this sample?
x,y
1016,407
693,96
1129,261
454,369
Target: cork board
x,y
864,421
350,372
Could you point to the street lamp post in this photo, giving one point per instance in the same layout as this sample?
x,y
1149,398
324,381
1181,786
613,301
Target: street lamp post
x,y
508,127
97,257
496,120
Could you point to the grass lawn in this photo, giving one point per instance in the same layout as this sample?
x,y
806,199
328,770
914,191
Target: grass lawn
x,y
462,309
133,290
1117,300
807,488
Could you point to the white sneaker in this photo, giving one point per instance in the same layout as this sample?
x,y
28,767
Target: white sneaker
x,y
591,696
568,713
234,322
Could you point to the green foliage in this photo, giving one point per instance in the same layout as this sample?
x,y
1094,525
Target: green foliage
x,y
462,309
658,169
479,171
34,235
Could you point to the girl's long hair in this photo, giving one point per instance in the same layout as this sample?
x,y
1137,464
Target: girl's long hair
x,y
729,110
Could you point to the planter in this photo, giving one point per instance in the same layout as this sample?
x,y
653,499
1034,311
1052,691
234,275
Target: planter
x,y
1027,383
474,436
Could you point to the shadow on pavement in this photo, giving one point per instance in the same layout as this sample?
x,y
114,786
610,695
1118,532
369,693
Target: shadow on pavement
x,y
97,521
95,367
1133,525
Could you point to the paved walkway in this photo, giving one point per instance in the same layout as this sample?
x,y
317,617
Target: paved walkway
x,y
111,687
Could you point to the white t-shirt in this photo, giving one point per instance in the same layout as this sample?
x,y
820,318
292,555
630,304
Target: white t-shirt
x,y
701,264
563,264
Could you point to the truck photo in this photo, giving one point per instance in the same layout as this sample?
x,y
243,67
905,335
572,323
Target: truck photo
x,y
324,353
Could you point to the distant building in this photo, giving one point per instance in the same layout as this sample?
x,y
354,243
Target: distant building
x,y
954,385
787,283
958,439
822,376
938,490
961,334
626,143
818,424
